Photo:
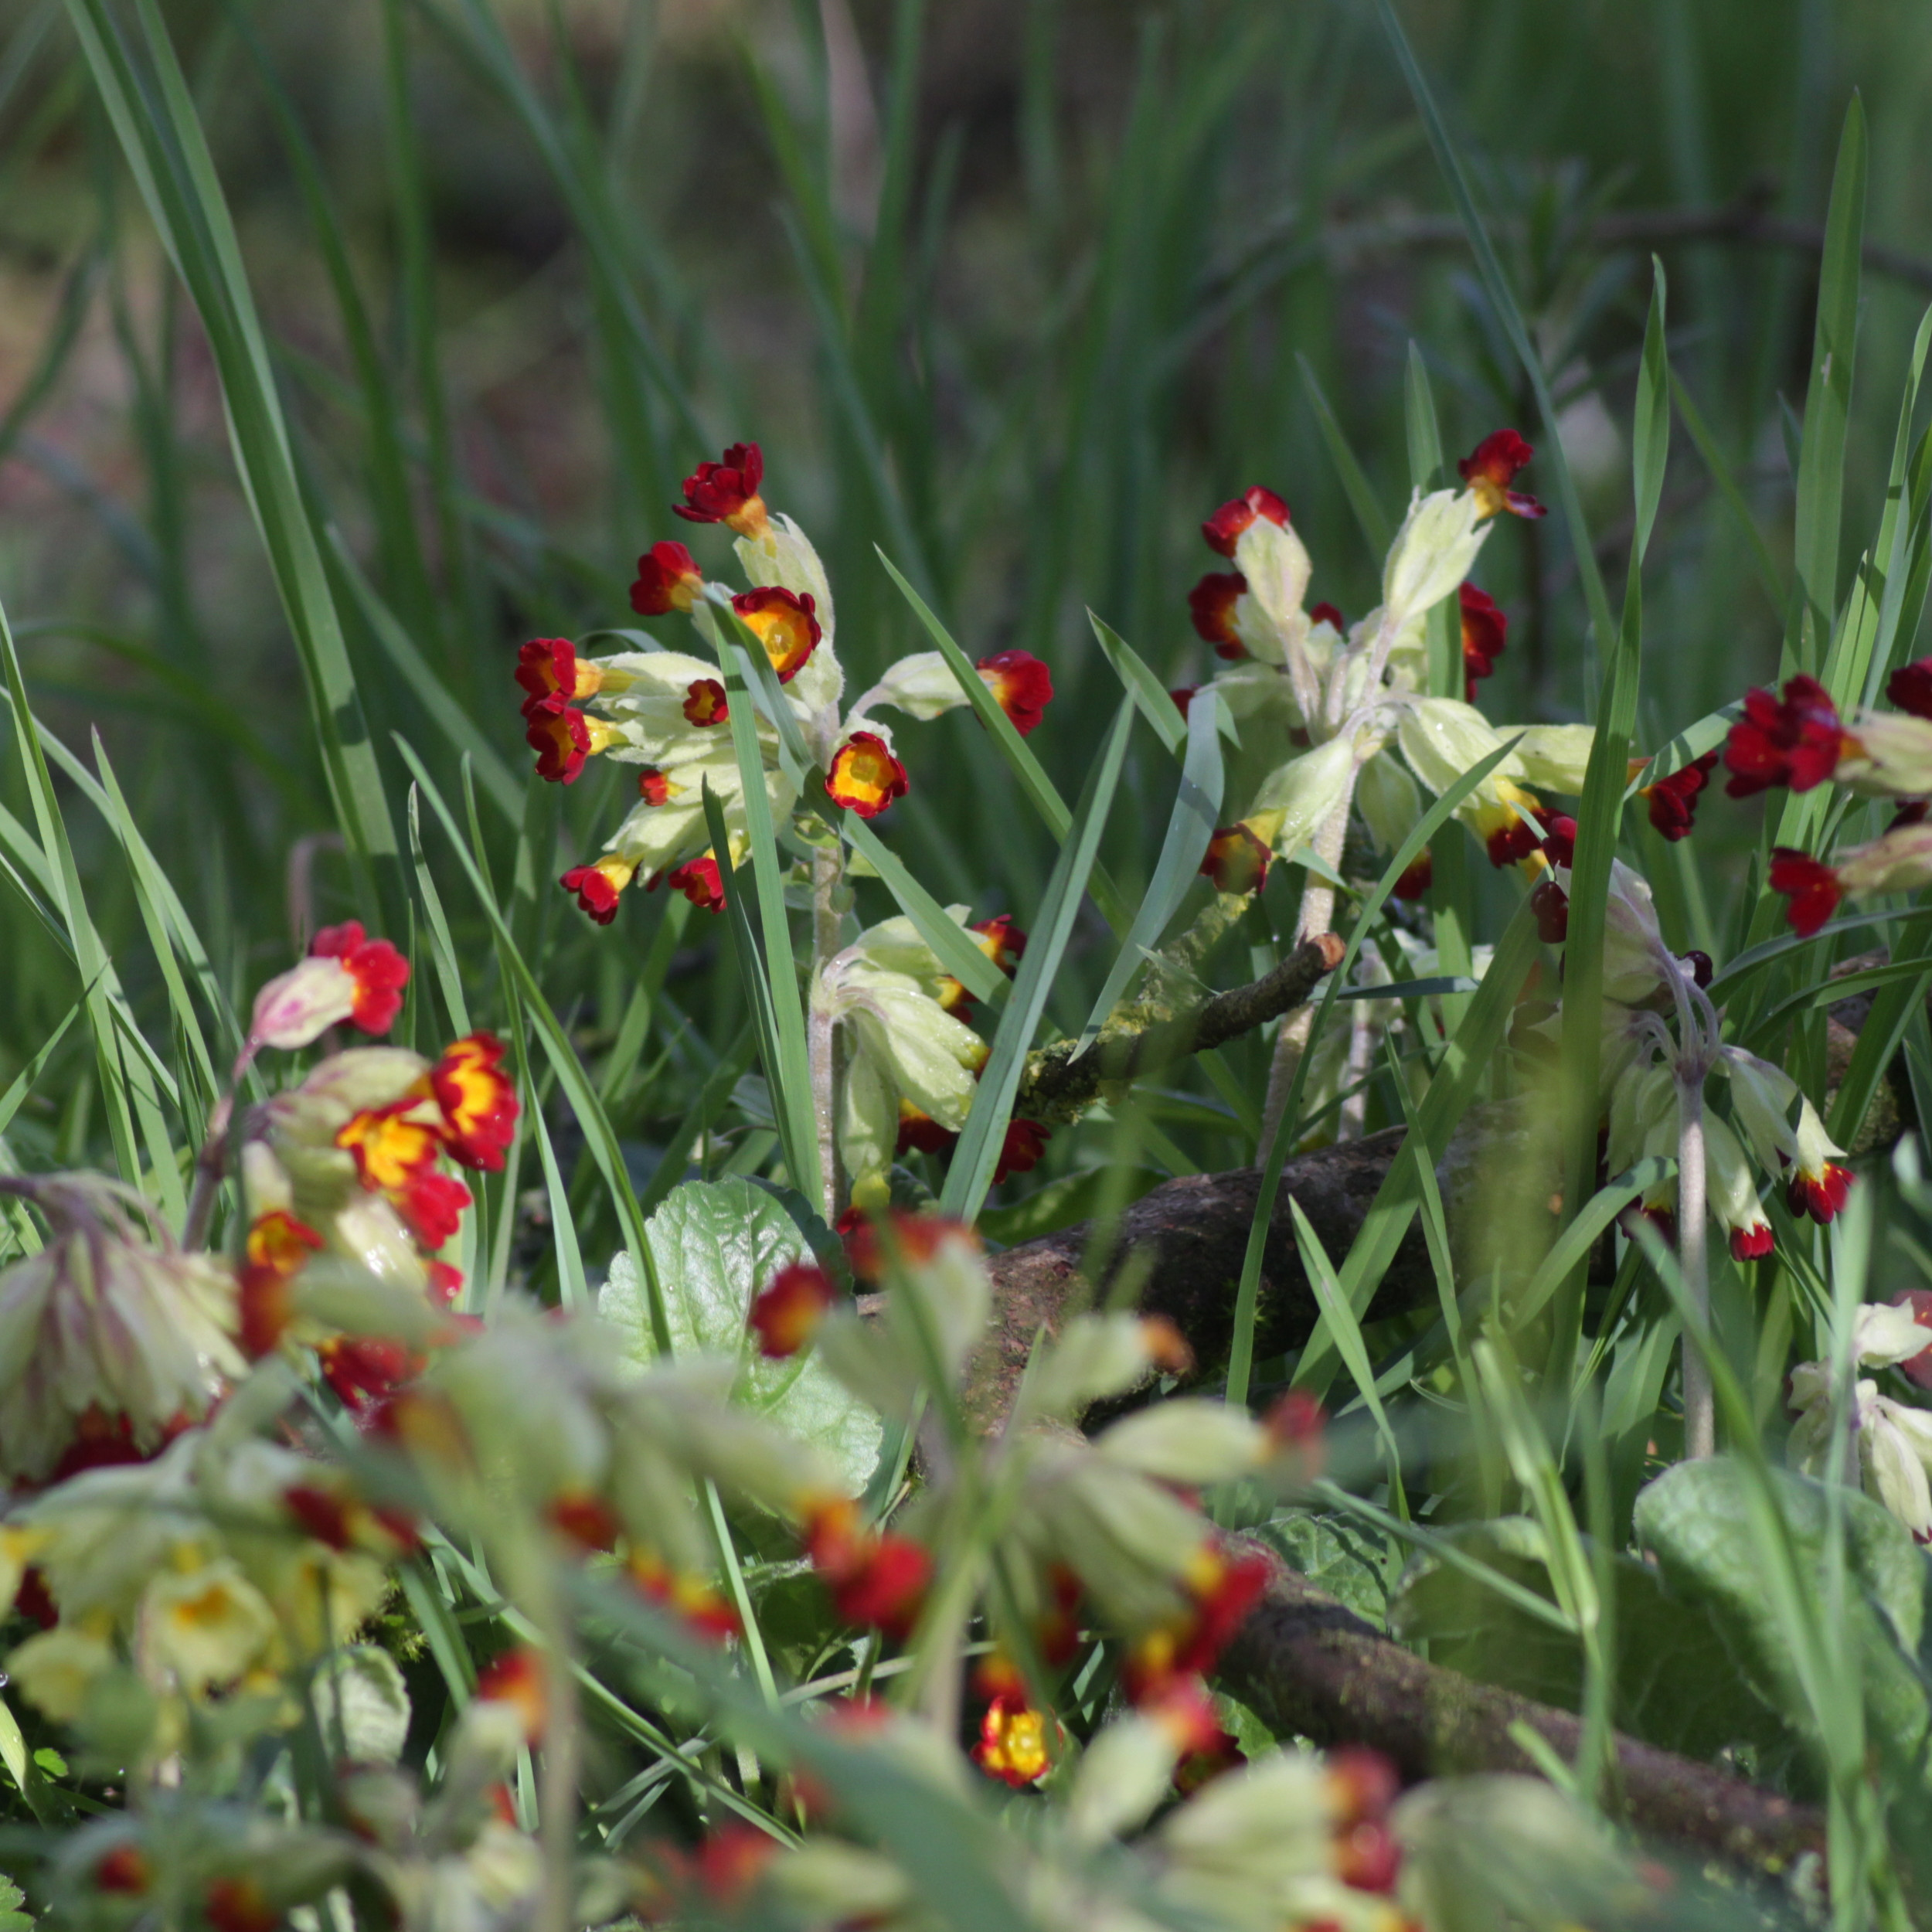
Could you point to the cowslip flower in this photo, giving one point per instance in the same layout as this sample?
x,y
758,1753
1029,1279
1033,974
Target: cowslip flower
x,y
1893,1439
1671,800
1237,860
668,580
877,1578
105,1332
1485,631
923,686
347,976
1794,739
787,1311
1490,468
865,778
726,492
1899,860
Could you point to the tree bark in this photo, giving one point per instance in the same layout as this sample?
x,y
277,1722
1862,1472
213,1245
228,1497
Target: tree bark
x,y
1308,1668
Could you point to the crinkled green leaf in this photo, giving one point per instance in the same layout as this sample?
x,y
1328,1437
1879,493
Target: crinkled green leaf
x,y
363,1705
717,1243
1343,1558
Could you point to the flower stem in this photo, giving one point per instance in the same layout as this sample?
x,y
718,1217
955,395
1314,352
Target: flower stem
x,y
1700,1417
1318,915
821,1037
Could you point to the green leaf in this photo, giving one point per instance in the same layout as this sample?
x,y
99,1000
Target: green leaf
x,y
1147,690
1336,1555
1377,528
1679,1684
1694,1519
1650,432
362,1705
717,1243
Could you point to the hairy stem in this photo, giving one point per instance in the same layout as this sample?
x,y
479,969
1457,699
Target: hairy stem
x,y
822,1039
1318,915
1700,1417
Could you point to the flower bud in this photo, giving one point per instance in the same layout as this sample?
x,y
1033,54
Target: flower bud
x,y
1306,792
1553,756
1386,797
921,685
1432,553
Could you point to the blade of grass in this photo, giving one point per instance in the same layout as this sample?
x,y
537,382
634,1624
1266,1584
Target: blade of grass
x,y
1775,588
955,951
1377,530
1147,690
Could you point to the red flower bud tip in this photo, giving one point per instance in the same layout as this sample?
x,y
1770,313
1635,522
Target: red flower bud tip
x,y
1020,684
1367,1857
1559,842
1550,904
1485,630
727,492
1013,1741
1489,470
446,1283
1417,878
1211,605
786,1312
704,702
1751,1244
1363,1784
1020,1152
1183,695
1909,688
1327,614
278,1246
1796,739
124,1869
1810,885
1223,529
865,778
1298,1422
699,880
1001,940
1510,844
550,670
1236,861
517,1679
433,1204
239,1905
667,580
1822,1195
919,1133
875,1579
596,886
364,1370
730,1862
917,1237
1918,1367
380,971
389,1148
1700,964
786,624
563,740
1673,801
478,1101
654,787
584,1519
691,1597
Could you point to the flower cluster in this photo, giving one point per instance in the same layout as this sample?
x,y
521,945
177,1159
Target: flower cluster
x,y
667,713
1796,739
1346,700
347,976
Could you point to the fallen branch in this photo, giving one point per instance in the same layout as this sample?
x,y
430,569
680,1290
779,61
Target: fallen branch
x,y
1060,1080
1308,1668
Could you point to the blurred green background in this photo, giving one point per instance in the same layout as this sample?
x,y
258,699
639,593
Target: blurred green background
x,y
1016,289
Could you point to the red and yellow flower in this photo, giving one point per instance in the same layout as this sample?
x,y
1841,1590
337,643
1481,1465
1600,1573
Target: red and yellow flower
x,y
668,580
1212,604
1672,801
877,1578
478,1100
726,492
785,1314
865,778
1236,861
1022,686
785,622
1223,530
1795,740
596,886
1485,631
1490,468
705,703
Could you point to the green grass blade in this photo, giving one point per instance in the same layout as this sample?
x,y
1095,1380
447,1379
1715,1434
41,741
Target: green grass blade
x,y
1197,806
1377,530
955,952
1146,689
1650,432
1769,575
978,1153
22,1083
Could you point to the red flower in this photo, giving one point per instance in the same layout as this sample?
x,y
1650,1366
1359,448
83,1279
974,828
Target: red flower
x,y
550,669
1013,1741
877,1579
1909,688
731,1860
1223,529
727,492
1822,1195
433,1204
596,887
1183,695
700,882
1327,614
1298,1422
1021,683
389,1148
786,1311
1751,1244
865,778
1001,940
1485,630
919,1133
653,786
1550,904
478,1101
785,624
1512,842
1236,861
380,971
1560,843
1489,470
517,1679
1673,801
1211,604
1917,1368
1224,1588
364,1368
124,1869
1795,740
278,1246
1417,878
561,740
1020,1151
1809,884
239,1905
446,1283
667,580
704,702
691,1597
586,1520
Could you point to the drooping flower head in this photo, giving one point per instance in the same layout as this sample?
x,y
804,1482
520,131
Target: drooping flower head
x,y
1237,860
726,492
1794,739
1211,605
1672,801
668,580
347,976
554,676
596,887
787,1311
1022,686
1485,631
1909,688
1223,530
1490,468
